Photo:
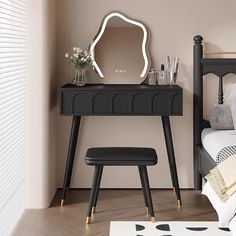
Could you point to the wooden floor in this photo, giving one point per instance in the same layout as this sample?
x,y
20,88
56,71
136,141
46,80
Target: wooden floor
x,y
113,205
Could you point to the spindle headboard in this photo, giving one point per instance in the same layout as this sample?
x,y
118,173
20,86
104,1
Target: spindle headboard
x,y
202,66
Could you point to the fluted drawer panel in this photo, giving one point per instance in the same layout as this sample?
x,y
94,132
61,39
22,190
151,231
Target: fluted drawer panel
x,y
121,100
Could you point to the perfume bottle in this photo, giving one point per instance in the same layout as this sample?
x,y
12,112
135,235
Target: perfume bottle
x,y
162,75
152,77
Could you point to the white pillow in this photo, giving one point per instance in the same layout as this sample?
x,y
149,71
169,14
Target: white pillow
x,y
225,210
232,226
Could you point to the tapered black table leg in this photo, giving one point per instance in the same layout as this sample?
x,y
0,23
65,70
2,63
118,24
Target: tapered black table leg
x,y
143,189
171,156
171,172
97,188
71,155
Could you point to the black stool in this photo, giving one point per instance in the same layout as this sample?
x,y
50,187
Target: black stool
x,y
120,156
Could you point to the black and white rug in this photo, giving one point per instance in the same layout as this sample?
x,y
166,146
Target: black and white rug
x,y
167,228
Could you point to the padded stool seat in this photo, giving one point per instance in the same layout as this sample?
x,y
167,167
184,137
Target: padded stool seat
x,y
121,156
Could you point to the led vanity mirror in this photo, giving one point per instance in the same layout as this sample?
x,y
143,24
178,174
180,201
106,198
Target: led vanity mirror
x,y
120,50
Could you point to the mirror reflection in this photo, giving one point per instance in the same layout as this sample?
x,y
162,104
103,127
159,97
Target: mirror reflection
x,y
120,50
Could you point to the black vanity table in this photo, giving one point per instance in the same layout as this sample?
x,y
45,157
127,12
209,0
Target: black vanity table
x,y
121,100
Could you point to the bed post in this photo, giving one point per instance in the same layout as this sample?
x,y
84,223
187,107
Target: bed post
x,y
197,105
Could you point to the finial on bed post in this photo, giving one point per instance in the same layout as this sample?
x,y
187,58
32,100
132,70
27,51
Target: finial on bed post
x,y
198,39
197,103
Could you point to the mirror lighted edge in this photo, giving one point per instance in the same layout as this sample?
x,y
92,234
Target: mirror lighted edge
x,y
144,42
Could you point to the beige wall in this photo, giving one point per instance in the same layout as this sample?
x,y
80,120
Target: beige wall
x,y
173,25
41,107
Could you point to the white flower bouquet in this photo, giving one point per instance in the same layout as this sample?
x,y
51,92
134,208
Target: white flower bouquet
x,y
80,58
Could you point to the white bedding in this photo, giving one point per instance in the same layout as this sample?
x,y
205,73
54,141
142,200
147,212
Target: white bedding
x,y
225,210
214,140
232,226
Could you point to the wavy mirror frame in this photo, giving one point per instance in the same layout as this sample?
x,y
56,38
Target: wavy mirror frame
x,y
145,52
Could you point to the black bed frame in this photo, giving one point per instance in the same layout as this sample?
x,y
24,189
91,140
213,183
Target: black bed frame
x,y
203,163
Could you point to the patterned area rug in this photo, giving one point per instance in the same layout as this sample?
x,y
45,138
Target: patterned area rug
x,y
167,228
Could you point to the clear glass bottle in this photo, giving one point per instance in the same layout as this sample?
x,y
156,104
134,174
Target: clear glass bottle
x,y
152,77
162,76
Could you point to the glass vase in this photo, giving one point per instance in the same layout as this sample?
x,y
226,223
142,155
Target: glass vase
x,y
80,77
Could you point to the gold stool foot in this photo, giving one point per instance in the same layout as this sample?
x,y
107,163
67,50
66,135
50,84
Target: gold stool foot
x,y
179,203
88,220
93,210
153,220
62,202
147,211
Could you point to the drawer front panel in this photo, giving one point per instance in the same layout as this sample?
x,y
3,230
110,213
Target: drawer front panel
x,y
121,102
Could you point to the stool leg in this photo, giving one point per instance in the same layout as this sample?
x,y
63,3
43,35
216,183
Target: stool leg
x,y
92,194
143,189
147,190
97,188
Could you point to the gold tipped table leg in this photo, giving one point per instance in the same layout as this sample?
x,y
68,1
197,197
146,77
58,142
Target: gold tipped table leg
x,y
174,191
153,220
62,202
179,203
93,210
88,220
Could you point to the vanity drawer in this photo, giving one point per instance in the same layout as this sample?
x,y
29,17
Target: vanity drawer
x,y
127,100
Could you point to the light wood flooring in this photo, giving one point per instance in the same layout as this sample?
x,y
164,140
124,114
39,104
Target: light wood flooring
x,y
113,205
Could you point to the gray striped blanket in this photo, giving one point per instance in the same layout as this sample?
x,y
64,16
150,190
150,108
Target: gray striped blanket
x,y
224,153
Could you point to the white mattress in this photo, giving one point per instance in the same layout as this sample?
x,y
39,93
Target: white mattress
x,y
214,140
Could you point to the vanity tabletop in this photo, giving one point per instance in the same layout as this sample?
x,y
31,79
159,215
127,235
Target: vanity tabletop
x,y
131,87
